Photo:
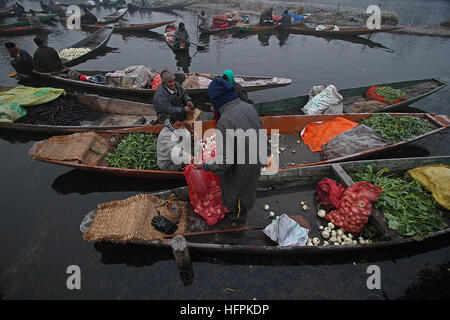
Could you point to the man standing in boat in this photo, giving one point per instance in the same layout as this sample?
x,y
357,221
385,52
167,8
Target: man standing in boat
x,y
181,37
170,97
20,59
266,18
46,59
202,22
238,180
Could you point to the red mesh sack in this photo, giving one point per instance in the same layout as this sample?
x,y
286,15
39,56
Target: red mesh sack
x,y
329,192
156,82
276,18
353,210
372,95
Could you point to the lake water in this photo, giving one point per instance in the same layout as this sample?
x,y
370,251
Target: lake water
x,y
42,205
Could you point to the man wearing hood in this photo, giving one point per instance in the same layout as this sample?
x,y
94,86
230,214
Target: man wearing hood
x,y
266,18
181,37
170,97
46,59
228,75
20,59
238,180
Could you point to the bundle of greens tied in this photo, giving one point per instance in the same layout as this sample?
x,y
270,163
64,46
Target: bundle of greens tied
x,y
399,128
409,208
390,94
135,151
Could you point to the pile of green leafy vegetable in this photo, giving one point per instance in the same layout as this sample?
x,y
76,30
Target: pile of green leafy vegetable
x,y
398,128
390,94
135,151
409,209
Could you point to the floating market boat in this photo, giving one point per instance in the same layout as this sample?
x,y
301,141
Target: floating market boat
x,y
293,155
15,31
96,41
415,90
170,39
113,17
279,192
162,6
25,23
109,4
131,27
251,83
216,30
105,114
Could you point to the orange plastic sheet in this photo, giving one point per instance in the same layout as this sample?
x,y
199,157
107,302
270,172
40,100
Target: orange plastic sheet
x,y
316,134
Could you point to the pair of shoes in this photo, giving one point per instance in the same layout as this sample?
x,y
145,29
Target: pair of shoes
x,y
233,216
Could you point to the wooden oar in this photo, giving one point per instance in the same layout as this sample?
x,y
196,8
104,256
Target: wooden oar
x,y
299,219
199,47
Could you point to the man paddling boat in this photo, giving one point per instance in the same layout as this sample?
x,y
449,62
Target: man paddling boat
x,y
181,37
20,59
46,59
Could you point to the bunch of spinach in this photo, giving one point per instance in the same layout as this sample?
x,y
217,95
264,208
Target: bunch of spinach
x,y
135,151
395,129
409,209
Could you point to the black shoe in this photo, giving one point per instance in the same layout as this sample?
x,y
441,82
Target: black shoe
x,y
233,216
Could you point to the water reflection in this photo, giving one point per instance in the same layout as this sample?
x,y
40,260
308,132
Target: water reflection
x,y
282,37
183,59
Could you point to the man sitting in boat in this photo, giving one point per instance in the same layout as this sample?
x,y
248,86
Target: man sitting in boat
x,y
181,37
203,23
285,21
238,180
18,10
20,59
34,21
170,97
88,17
170,143
46,59
266,18
228,75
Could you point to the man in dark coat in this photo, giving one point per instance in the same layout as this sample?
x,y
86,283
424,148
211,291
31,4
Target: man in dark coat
x,y
285,21
266,18
20,59
46,59
238,178
181,37
88,17
170,97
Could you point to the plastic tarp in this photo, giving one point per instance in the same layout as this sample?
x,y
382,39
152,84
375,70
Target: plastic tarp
x,y
132,77
286,232
316,134
13,100
436,179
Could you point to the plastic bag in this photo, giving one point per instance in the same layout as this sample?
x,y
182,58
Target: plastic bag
x,y
356,140
353,210
328,101
315,90
156,82
329,192
286,232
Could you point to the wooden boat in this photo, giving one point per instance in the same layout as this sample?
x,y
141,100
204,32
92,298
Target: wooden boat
x,y
251,83
414,89
113,17
170,39
160,6
107,114
289,128
215,31
280,192
131,27
312,31
109,4
25,23
97,41
15,31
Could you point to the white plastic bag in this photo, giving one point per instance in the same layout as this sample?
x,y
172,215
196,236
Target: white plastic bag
x,y
286,232
328,101
315,90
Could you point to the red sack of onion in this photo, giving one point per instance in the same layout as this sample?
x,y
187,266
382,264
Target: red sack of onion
x,y
353,210
329,192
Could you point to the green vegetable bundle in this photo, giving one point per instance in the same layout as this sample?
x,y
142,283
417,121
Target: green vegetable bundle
x,y
395,129
390,94
410,209
135,151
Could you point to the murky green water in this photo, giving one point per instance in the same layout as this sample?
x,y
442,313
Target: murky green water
x,y
42,205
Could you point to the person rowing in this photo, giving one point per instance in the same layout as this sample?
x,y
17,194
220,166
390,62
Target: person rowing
x,y
46,59
181,37
20,59
266,18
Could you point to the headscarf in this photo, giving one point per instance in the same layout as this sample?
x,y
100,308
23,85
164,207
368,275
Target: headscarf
x,y
230,76
39,41
221,92
12,48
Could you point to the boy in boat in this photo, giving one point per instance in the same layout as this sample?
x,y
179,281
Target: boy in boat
x,y
203,23
46,59
238,180
168,144
228,75
181,37
266,18
20,59
170,97
285,21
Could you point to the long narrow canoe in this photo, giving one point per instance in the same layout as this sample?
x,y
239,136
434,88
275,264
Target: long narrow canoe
x,y
289,129
131,27
113,17
169,6
15,31
97,41
107,114
25,23
343,32
280,192
414,89
251,83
